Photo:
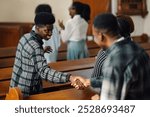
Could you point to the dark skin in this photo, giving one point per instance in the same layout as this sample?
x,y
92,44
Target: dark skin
x,y
45,31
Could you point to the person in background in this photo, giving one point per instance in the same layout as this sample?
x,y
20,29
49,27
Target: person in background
x,y
75,31
125,72
126,25
30,66
50,46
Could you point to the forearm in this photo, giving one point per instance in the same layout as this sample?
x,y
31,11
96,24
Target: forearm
x,y
54,76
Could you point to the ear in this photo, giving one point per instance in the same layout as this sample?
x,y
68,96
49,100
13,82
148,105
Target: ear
x,y
37,27
101,36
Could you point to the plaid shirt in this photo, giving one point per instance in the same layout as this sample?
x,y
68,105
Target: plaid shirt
x,y
125,72
30,66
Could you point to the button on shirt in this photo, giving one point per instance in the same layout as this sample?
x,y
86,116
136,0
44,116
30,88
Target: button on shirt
x,y
75,29
30,66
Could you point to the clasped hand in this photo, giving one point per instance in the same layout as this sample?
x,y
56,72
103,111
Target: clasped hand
x,y
79,82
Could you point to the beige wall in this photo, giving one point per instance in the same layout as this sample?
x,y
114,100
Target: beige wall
x,y
147,20
23,11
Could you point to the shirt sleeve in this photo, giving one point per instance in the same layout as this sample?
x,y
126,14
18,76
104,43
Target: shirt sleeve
x,y
45,71
66,34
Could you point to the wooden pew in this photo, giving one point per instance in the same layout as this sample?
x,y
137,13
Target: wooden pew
x,y
67,94
146,46
7,54
10,32
9,35
141,39
81,67
93,49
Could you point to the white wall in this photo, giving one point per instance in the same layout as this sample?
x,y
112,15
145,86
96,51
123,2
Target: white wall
x,y
23,11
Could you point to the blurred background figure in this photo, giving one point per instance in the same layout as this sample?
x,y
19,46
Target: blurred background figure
x,y
75,31
50,46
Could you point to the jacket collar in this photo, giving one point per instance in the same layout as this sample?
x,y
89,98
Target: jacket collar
x,y
37,37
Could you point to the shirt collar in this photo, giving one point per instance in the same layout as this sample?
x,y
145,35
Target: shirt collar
x,y
119,41
77,16
37,37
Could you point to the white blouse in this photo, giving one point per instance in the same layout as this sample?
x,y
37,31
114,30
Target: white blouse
x,y
75,29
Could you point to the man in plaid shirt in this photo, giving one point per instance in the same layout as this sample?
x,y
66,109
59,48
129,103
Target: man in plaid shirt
x,y
126,69
30,66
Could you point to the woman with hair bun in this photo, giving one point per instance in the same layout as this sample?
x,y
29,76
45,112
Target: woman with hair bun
x,y
75,30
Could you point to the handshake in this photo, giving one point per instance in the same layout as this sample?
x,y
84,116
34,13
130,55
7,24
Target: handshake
x,y
79,82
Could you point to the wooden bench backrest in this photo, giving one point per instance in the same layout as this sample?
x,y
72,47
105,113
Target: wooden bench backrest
x,y
145,46
7,56
9,35
67,94
141,39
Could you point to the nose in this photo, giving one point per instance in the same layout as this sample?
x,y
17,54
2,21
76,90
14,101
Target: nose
x,y
49,34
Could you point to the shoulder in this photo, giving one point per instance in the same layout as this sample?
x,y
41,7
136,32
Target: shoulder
x,y
30,41
70,21
55,29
